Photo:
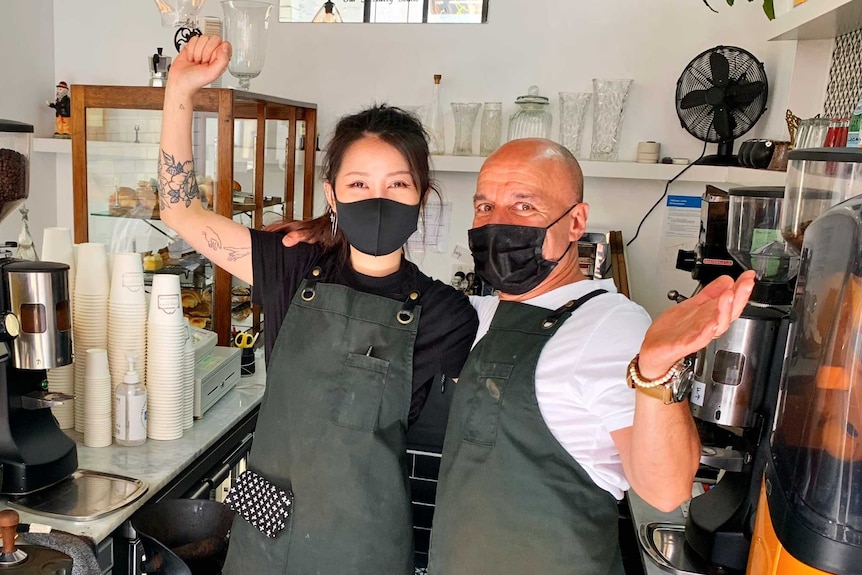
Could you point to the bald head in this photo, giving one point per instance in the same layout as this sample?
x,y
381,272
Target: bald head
x,y
545,159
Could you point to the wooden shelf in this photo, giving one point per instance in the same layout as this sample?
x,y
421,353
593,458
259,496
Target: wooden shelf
x,y
817,20
52,145
635,171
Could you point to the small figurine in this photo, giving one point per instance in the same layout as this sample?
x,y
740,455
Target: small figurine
x,y
26,250
63,110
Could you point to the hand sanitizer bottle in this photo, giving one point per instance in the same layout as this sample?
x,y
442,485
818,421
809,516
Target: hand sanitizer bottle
x,y
130,409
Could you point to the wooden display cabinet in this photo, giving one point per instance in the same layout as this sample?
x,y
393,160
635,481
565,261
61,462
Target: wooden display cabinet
x,y
245,147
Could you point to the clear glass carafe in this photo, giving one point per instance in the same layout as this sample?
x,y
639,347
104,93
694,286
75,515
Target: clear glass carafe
x,y
532,119
434,121
465,118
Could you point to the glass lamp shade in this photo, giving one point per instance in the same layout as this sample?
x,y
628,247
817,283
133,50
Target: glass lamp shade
x,y
328,14
177,13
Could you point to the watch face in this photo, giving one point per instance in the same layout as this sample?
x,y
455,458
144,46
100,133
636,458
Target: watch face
x,y
682,385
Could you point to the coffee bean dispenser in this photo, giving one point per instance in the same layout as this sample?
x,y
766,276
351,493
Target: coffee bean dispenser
x,y
16,143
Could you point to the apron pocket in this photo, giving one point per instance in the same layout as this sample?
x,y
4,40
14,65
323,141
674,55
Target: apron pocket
x,y
482,409
260,503
359,392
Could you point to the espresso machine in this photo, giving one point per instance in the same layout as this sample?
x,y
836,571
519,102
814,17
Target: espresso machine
x,y
809,515
35,335
735,386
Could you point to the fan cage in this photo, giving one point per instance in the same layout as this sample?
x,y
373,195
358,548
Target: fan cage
x,y
744,67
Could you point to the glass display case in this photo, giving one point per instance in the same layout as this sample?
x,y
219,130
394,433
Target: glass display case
x,y
249,167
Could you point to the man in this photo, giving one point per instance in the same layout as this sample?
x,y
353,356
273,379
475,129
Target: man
x,y
544,433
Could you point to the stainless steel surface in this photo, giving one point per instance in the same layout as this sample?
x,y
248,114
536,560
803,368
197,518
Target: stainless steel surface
x,y
51,346
727,459
728,380
84,496
13,558
664,544
594,251
43,399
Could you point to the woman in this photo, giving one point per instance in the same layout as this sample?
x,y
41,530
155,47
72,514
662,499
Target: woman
x,y
356,338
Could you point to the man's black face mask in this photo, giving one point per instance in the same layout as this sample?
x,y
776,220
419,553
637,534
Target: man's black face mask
x,y
509,257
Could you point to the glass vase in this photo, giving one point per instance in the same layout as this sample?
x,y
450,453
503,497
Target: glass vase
x,y
491,128
245,26
609,102
465,118
573,110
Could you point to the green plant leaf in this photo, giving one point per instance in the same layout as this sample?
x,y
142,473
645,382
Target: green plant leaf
x,y
769,9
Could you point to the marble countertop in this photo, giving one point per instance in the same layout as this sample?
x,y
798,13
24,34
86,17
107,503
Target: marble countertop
x,y
156,462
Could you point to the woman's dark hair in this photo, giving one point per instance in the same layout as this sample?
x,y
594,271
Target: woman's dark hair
x,y
398,128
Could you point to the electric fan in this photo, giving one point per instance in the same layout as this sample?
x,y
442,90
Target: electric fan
x,y
719,97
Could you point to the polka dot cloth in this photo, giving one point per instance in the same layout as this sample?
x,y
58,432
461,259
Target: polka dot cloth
x,y
261,503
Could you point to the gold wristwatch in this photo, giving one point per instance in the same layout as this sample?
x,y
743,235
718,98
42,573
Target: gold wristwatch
x,y
672,387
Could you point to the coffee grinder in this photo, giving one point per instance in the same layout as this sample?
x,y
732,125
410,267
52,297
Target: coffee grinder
x,y
35,335
736,381
710,258
809,516
734,392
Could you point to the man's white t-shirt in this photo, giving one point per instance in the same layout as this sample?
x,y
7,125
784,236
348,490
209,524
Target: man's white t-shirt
x,y
580,376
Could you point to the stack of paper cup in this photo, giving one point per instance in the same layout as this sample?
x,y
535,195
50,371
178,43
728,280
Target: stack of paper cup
x,y
90,316
648,152
98,422
166,340
127,317
189,380
57,247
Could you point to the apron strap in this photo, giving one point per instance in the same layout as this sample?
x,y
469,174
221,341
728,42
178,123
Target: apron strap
x,y
569,307
309,289
405,314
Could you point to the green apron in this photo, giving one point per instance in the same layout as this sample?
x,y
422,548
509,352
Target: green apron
x,y
511,500
332,429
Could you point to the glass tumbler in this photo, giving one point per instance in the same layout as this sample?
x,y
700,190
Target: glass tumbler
x,y
573,110
609,102
491,132
465,118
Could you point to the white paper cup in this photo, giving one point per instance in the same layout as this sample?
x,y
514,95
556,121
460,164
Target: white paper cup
x,y
91,277
166,305
57,246
97,364
127,279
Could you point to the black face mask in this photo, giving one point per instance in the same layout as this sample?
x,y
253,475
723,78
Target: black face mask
x,y
509,257
377,226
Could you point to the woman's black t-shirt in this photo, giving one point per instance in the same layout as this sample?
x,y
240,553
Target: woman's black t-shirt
x,y
447,324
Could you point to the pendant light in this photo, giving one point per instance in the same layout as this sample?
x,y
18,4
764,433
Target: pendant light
x,y
328,14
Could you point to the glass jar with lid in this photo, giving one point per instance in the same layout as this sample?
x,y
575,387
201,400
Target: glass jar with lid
x,y
533,118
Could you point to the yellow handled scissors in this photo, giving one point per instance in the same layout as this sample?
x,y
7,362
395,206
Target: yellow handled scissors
x,y
245,340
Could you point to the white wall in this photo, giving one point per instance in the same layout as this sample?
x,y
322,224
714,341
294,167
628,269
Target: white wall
x,y
558,45
27,72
